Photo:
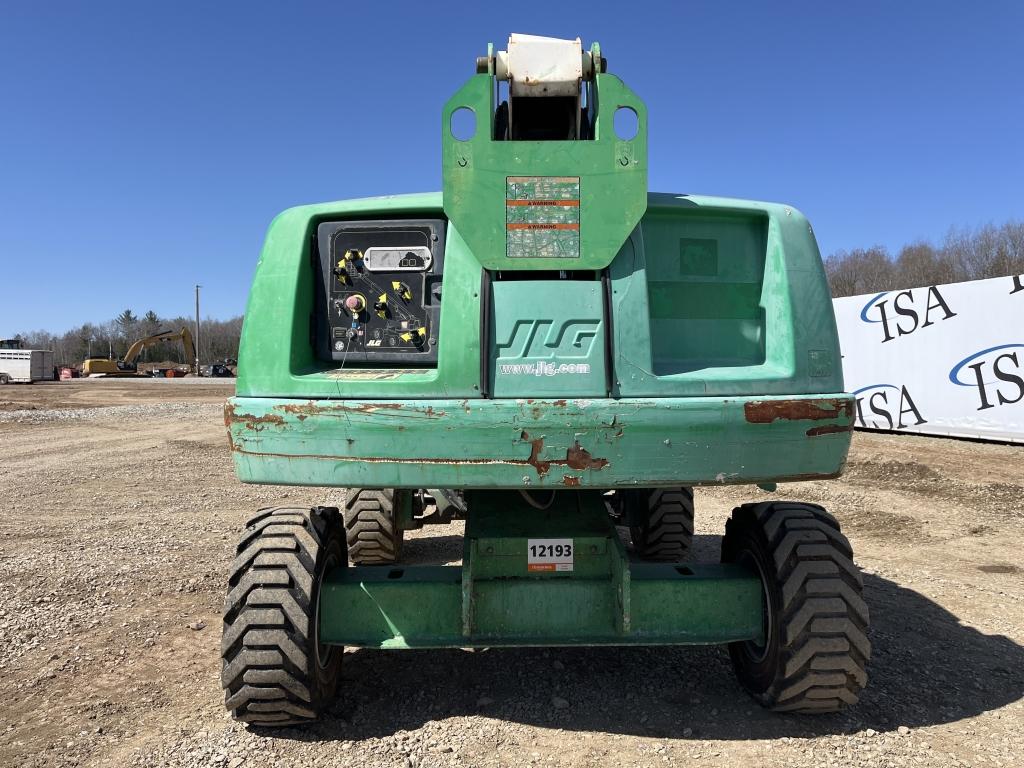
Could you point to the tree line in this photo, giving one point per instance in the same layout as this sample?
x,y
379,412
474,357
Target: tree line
x,y
965,254
218,339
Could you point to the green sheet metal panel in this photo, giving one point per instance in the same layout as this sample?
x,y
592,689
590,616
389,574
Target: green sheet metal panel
x,y
716,296
529,442
276,358
547,339
704,286
483,179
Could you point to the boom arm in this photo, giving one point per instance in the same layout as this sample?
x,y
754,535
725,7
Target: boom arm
x,y
186,340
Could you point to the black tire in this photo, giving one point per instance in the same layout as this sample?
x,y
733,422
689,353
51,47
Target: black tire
x,y
661,523
274,672
371,525
816,621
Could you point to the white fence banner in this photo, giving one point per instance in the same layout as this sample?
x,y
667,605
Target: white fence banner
x,y
940,360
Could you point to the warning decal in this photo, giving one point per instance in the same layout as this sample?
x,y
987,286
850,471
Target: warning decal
x,y
542,217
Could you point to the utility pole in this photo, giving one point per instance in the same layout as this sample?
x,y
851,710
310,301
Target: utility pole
x,y
198,372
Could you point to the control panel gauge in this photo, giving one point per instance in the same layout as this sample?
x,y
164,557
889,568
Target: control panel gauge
x,y
378,291
414,259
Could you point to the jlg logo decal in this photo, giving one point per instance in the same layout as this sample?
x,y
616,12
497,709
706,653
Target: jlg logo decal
x,y
543,340
903,317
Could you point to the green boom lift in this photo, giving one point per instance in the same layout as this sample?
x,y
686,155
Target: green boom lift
x,y
548,351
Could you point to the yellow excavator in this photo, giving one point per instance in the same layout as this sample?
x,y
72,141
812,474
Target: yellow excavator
x,y
102,366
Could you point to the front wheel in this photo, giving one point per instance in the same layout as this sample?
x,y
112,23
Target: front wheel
x,y
275,672
815,649
661,523
373,526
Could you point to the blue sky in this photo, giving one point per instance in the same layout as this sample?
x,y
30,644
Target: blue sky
x,y
145,147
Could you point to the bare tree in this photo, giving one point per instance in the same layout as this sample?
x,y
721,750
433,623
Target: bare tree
x,y
965,254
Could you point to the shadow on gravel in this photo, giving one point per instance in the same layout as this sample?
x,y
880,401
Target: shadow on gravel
x,y
926,669
432,549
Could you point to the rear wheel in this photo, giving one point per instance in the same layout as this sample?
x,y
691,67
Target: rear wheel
x,y
816,650
661,523
275,672
372,527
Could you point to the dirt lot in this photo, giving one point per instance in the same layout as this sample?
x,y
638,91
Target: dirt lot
x,y
121,512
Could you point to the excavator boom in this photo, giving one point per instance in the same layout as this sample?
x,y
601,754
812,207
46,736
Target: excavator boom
x,y
186,340
126,366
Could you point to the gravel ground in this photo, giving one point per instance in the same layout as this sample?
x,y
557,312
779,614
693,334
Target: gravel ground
x,y
120,521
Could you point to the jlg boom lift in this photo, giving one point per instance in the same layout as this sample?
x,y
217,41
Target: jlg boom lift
x,y
547,350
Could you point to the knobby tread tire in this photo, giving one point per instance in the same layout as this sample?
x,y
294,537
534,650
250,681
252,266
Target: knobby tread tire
x,y
371,526
818,647
664,532
270,671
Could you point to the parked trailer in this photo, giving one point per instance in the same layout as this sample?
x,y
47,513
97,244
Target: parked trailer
x,y
25,365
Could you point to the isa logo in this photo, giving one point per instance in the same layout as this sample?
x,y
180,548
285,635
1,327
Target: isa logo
x,y
903,313
996,373
888,403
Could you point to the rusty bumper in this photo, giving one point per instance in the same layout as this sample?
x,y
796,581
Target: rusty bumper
x,y
510,443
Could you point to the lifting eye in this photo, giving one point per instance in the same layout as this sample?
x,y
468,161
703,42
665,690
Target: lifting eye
x,y
626,123
463,124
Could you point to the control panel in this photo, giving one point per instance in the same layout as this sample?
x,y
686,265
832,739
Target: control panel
x,y
379,291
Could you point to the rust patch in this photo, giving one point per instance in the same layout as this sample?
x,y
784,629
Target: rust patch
x,y
248,421
767,411
570,481
575,458
536,446
829,429
580,458
304,410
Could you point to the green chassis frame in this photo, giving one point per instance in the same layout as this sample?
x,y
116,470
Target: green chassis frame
x,y
493,600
